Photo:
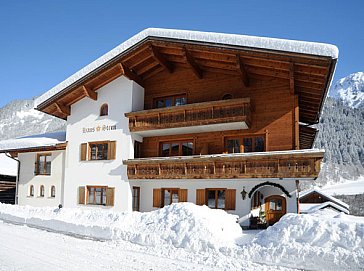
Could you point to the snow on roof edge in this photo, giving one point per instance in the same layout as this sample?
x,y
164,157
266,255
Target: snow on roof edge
x,y
306,192
303,47
319,206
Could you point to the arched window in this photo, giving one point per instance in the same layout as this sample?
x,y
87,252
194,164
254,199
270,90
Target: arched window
x,y
41,191
53,191
104,110
31,191
227,97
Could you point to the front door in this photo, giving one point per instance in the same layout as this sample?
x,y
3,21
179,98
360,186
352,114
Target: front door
x,y
275,208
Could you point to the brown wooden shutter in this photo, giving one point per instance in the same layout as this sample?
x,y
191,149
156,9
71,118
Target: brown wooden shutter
x,y
200,196
110,191
112,150
157,194
81,195
230,199
83,151
182,195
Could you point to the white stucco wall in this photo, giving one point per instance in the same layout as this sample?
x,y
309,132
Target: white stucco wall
x,y
27,178
121,95
243,207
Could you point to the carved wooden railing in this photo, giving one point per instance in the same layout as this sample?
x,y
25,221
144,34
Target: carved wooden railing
x,y
295,165
214,112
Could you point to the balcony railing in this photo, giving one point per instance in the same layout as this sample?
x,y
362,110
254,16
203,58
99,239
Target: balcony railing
x,y
197,114
285,164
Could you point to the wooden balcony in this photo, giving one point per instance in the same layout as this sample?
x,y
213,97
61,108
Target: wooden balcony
x,y
281,164
192,118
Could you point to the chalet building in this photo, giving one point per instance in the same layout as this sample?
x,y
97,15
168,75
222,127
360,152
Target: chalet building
x,y
174,116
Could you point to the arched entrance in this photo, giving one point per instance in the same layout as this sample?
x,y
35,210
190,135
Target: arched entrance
x,y
275,208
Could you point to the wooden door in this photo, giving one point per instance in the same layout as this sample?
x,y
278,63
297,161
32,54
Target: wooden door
x,y
275,208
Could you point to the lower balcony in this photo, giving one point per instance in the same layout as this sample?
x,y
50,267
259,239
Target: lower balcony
x,y
300,164
210,116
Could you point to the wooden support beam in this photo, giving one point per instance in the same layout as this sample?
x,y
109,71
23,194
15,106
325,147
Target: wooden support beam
x,y
190,60
242,71
131,75
65,110
161,59
291,78
90,93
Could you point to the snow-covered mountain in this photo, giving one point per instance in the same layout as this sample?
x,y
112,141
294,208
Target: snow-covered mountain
x,y
350,90
19,118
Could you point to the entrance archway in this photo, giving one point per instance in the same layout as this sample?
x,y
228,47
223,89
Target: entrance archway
x,y
275,208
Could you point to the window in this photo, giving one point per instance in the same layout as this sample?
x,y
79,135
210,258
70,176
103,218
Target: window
x,y
104,110
43,164
53,191
103,150
136,198
169,196
215,198
31,191
177,148
256,200
137,149
41,191
96,195
245,144
170,101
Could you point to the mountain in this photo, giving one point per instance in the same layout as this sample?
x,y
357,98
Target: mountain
x,y
19,118
350,90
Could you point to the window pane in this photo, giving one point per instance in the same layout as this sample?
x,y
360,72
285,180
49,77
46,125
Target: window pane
x,y
174,196
278,205
272,205
221,199
93,151
187,148
165,149
105,151
159,103
211,201
103,191
167,197
91,195
233,145
168,102
98,196
48,166
259,144
181,101
175,149
247,145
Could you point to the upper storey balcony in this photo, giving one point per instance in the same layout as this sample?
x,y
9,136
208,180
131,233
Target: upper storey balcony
x,y
210,116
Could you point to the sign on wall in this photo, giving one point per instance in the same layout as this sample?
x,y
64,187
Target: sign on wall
x,y
99,128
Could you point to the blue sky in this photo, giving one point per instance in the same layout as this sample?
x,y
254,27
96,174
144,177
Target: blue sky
x,y
44,42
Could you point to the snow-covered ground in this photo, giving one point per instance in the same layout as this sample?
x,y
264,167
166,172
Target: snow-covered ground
x,y
346,188
180,236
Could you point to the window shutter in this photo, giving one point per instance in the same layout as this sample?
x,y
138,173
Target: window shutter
x,y
81,195
110,191
157,193
200,196
182,195
230,199
83,151
112,150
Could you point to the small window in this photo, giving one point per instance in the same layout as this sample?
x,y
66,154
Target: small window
x,y
96,195
170,101
215,198
176,148
99,151
136,198
245,144
41,191
31,191
169,196
43,164
53,191
104,110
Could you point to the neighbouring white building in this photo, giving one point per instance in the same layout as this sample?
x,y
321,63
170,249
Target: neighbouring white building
x,y
173,116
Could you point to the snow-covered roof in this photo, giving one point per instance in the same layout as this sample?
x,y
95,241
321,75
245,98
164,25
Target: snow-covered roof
x,y
308,208
34,141
8,166
293,46
331,198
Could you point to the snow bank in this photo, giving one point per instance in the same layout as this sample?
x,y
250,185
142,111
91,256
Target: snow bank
x,y
49,139
321,241
8,166
183,225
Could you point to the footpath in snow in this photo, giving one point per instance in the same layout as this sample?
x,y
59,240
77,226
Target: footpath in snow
x,y
317,242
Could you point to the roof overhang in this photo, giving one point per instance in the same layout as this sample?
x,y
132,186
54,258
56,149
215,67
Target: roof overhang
x,y
311,65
